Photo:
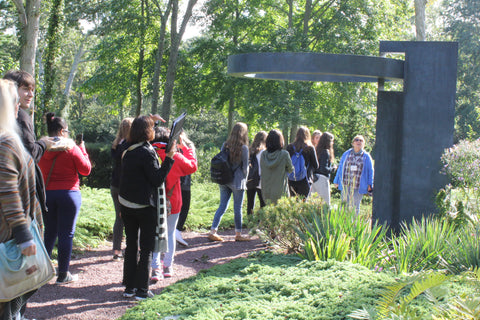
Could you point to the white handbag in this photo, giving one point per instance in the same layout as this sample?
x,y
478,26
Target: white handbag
x,y
20,274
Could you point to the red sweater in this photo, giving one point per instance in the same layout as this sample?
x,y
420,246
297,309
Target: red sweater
x,y
65,172
184,165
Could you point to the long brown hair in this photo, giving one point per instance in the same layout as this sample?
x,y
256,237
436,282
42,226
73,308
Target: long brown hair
x,y
141,130
258,142
122,132
302,139
238,137
326,143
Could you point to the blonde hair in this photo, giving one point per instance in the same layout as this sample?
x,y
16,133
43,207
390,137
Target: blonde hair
x,y
236,140
8,101
8,116
122,132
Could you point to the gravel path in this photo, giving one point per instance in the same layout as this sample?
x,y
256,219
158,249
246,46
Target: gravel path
x,y
98,293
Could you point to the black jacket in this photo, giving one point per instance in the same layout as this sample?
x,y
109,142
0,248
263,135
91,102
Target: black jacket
x,y
36,150
141,175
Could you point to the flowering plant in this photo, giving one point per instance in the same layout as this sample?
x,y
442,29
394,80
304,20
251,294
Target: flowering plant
x,y
462,164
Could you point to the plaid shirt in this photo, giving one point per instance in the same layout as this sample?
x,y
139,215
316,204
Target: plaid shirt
x,y
353,170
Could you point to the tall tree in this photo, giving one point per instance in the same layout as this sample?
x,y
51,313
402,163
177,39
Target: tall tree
x,y
462,18
29,20
164,14
54,34
176,39
420,24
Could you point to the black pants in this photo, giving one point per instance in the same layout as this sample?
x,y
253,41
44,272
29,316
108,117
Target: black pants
x,y
136,271
251,199
186,197
299,189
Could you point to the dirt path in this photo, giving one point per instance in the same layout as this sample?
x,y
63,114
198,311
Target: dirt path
x,y
98,293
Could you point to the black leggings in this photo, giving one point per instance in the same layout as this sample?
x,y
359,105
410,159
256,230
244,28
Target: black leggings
x,y
251,199
186,196
299,189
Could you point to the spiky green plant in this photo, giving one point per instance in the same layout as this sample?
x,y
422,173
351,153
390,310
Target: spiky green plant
x,y
421,245
337,233
465,249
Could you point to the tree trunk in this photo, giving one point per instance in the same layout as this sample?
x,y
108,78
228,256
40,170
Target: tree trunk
x,y
172,61
231,109
141,56
65,106
420,25
29,19
159,55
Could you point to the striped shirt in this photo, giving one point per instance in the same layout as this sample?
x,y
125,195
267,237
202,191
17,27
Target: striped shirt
x,y
17,191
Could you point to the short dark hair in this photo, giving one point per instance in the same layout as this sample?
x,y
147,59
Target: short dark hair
x,y
54,124
161,134
141,130
274,140
21,78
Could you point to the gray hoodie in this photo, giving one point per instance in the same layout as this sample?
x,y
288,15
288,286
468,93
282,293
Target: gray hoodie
x,y
274,167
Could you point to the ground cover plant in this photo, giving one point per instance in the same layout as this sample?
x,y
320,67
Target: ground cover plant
x,y
268,286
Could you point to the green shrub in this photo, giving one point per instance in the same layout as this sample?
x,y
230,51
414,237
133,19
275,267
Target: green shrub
x,y
102,164
276,223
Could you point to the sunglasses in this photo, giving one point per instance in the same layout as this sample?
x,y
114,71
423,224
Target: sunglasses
x,y
356,140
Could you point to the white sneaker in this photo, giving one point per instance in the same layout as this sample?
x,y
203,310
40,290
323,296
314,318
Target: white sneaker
x,y
180,240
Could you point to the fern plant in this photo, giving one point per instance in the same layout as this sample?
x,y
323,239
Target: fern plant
x,y
395,302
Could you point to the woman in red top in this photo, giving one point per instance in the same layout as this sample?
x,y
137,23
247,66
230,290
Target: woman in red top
x,y
60,171
185,164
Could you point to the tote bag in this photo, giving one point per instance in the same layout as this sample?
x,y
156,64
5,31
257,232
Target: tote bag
x,y
20,274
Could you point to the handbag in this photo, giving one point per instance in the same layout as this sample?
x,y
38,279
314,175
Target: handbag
x,y
20,274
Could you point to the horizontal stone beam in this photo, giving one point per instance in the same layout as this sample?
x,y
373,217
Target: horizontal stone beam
x,y
305,66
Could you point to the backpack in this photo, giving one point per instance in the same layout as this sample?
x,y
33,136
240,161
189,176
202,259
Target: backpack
x,y
220,169
253,178
299,168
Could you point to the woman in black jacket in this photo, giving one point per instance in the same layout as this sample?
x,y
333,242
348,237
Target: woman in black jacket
x,y
140,176
325,155
299,182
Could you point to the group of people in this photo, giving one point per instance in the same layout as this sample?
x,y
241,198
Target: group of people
x,y
150,184
40,180
150,199
302,169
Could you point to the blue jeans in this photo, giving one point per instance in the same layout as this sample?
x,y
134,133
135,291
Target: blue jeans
x,y
225,195
60,220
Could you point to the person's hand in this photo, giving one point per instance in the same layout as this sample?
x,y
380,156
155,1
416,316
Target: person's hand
x,y
49,142
30,251
335,185
369,189
156,117
172,151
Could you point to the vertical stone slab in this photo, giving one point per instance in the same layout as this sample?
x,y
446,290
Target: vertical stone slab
x,y
426,128
387,157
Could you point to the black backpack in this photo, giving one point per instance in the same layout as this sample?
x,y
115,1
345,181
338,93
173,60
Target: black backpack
x,y
253,175
220,169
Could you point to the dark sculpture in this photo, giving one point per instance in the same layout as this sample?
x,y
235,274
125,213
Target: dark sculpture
x,y
414,126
